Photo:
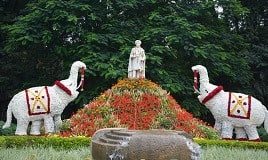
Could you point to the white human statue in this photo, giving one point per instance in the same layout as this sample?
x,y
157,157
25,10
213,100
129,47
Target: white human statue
x,y
44,103
136,65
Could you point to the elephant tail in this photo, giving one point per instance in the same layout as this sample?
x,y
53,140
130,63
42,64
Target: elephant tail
x,y
266,121
9,118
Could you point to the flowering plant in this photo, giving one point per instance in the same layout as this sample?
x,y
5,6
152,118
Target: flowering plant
x,y
135,104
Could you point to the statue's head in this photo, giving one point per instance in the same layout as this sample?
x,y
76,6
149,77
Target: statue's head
x,y
138,43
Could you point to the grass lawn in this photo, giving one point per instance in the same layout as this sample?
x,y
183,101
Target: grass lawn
x,y
222,153
208,153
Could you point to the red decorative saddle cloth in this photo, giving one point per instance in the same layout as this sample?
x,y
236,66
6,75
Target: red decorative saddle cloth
x,y
239,105
38,100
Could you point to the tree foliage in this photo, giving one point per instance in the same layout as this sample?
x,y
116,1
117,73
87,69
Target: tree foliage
x,y
256,32
50,34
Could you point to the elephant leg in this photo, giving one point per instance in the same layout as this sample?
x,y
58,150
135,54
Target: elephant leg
x,y
22,126
218,126
35,128
240,133
252,133
227,130
49,124
58,122
134,74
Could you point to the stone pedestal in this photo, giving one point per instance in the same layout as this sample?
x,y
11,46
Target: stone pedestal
x,y
123,144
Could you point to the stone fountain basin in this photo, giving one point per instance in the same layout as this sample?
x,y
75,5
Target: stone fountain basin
x,y
156,144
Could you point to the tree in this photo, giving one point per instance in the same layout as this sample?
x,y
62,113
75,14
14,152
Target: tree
x,y
255,31
249,19
9,9
175,34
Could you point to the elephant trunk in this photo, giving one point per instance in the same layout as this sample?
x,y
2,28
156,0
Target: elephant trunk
x,y
73,77
203,76
202,72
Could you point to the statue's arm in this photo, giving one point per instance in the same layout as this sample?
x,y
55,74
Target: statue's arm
x,y
132,53
142,57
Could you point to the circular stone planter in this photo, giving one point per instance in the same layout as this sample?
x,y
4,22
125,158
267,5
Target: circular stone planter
x,y
124,144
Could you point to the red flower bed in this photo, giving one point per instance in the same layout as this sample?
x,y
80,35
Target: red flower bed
x,y
135,104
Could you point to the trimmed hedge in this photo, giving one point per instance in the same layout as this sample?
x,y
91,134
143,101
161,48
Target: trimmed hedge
x,y
2,142
232,143
76,142
46,141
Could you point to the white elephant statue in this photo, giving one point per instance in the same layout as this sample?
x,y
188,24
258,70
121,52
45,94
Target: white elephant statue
x,y
44,103
232,111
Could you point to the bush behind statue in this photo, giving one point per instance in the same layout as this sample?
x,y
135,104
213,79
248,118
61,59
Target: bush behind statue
x,y
7,131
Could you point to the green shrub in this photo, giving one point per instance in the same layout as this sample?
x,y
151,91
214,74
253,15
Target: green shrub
x,y
65,125
66,143
7,131
210,133
263,134
2,142
16,141
233,143
79,141
46,141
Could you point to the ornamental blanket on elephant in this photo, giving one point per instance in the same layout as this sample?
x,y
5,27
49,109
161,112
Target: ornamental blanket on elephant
x,y
239,105
38,100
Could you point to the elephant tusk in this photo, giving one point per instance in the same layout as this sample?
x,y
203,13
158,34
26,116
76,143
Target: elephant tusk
x,y
79,85
82,82
196,91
